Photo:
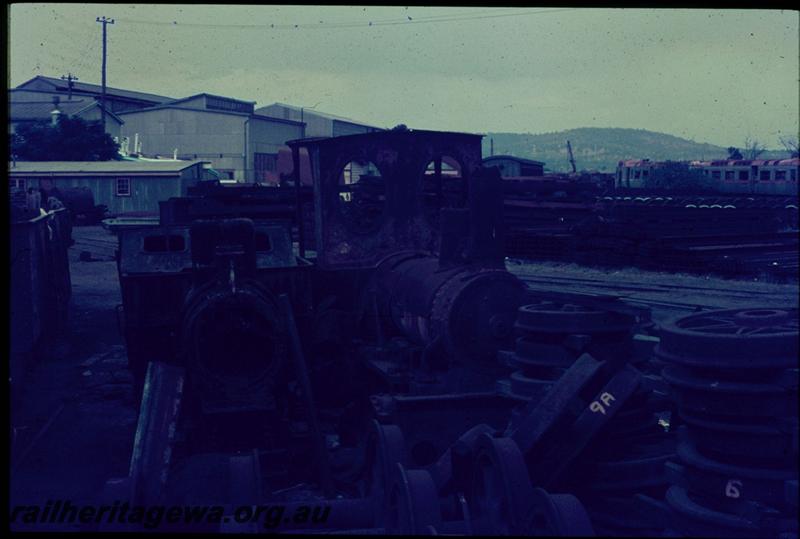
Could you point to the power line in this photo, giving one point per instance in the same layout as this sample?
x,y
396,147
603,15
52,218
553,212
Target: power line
x,y
334,25
304,25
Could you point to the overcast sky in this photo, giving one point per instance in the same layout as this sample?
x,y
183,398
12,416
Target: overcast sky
x,y
710,75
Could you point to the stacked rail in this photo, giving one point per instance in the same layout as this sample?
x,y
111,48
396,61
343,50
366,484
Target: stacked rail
x,y
728,236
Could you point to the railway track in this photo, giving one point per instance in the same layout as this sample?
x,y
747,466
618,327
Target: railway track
x,y
665,300
639,286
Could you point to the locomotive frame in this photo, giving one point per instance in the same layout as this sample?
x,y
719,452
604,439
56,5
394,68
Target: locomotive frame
x,y
448,228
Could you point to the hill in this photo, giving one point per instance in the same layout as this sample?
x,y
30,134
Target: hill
x,y
600,148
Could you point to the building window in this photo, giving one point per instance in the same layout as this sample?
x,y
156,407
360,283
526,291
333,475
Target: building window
x,y
793,175
764,176
228,104
123,187
780,175
17,183
744,175
716,174
730,174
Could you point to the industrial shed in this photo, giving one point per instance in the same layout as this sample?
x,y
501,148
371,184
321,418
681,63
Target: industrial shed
x,y
117,99
123,186
317,124
239,143
511,166
28,106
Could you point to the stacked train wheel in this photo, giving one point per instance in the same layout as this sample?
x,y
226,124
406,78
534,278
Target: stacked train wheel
x,y
553,335
733,375
626,456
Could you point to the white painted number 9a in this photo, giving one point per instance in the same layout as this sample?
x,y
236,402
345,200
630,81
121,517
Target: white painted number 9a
x,y
607,399
732,488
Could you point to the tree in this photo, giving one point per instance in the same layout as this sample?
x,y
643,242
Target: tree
x,y
678,177
753,148
734,153
72,139
791,145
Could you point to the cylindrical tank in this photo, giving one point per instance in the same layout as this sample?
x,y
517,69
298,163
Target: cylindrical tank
x,y
235,344
469,308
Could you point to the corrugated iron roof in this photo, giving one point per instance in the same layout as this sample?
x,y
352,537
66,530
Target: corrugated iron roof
x,y
100,167
638,163
313,112
718,162
96,89
787,162
513,158
40,110
182,99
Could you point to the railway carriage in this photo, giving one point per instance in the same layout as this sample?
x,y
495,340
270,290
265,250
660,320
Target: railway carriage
x,y
740,176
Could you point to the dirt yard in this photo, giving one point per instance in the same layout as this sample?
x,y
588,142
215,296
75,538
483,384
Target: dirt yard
x,y
81,392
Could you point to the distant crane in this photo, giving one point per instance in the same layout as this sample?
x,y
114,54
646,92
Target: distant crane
x,y
571,157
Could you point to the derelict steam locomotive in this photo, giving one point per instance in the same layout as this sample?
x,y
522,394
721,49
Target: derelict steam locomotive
x,y
405,285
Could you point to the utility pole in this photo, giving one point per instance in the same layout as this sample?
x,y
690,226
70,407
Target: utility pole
x,y
104,21
70,82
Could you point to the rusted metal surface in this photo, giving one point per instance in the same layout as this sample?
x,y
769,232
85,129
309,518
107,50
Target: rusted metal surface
x,y
468,308
560,515
734,379
737,339
155,433
359,224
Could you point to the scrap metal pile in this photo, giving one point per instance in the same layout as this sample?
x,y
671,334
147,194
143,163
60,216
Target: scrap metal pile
x,y
405,381
724,235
